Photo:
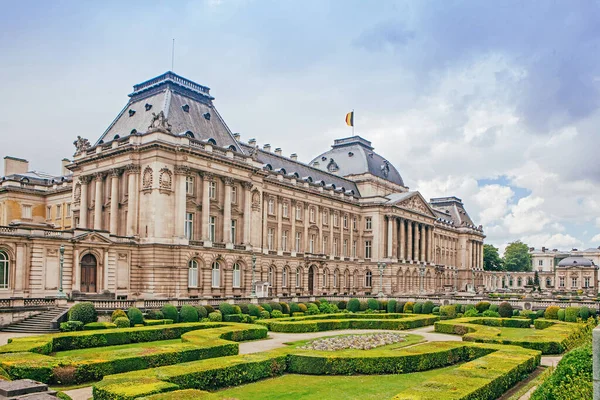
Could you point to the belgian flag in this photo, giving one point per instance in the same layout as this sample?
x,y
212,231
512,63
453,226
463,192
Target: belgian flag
x,y
350,118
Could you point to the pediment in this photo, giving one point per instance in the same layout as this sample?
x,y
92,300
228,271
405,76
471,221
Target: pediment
x,y
416,203
92,237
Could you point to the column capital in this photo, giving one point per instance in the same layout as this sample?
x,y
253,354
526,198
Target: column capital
x,y
85,179
227,181
207,176
182,170
133,168
247,185
98,176
116,172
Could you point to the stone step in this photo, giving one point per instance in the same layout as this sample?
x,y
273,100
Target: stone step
x,y
14,389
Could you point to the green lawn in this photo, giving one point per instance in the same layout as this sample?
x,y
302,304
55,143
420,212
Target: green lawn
x,y
311,387
125,350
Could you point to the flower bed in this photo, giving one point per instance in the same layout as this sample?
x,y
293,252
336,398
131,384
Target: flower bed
x,y
355,342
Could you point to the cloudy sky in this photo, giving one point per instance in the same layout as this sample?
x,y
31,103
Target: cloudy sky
x,y
494,102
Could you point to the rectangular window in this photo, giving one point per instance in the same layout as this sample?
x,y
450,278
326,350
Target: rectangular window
x,y
298,241
58,211
49,212
68,210
233,230
368,223
335,219
298,212
541,262
335,247
271,207
345,219
354,223
312,244
284,239
26,212
367,249
586,282
212,190
234,197
189,226
345,248
325,249
325,218
312,214
354,249
285,210
561,281
189,185
212,223
270,234
573,283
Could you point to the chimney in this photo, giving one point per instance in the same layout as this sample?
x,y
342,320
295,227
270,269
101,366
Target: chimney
x,y
543,249
294,156
267,147
13,165
278,151
531,248
252,142
64,171
555,250
236,136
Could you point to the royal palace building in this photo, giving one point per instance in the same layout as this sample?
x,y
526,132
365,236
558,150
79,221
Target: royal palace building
x,y
168,202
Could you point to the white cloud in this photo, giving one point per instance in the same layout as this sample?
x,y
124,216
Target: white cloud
x,y
556,241
526,216
493,201
595,239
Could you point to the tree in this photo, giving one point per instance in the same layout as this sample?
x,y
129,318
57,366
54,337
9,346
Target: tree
x,y
536,279
517,257
491,258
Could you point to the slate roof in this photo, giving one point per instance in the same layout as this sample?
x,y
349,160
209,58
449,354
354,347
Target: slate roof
x,y
575,262
355,156
452,209
187,105
38,178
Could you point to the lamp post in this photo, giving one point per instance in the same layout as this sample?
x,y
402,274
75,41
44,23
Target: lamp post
x,y
381,267
455,279
253,293
422,275
61,294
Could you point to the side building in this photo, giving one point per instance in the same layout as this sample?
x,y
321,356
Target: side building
x,y
168,202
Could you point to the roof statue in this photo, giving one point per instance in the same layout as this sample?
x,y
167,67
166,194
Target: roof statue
x,y
159,123
81,144
254,154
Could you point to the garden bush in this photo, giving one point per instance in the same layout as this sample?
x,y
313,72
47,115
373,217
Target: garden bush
x,y
494,307
266,315
215,316
294,307
373,304
364,306
428,307
285,308
571,314
515,313
92,326
459,308
312,309
244,308
551,312
234,317
152,322
122,322
266,307
202,313
253,310
153,314
436,310
83,312
170,312
276,314
328,308
226,308
505,310
561,314
584,313
468,307
209,308
188,313
118,313
135,316
408,307
471,313
482,306
391,306
400,306
418,307
275,306
383,305
490,313
341,305
302,307
71,326
448,311
353,305
298,314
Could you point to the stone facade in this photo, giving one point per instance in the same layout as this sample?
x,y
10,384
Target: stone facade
x,y
170,203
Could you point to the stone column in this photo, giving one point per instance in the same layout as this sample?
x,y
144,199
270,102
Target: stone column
x,y
265,223
409,241
83,202
389,236
293,230
247,211
430,242
114,200
98,201
351,243
331,233
416,241
181,173
132,199
341,221
305,222
401,255
227,212
20,274
481,255
77,270
422,240
207,178
279,223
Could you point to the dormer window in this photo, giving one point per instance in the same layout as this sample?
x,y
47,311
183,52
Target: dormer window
x,y
131,112
206,116
148,107
185,108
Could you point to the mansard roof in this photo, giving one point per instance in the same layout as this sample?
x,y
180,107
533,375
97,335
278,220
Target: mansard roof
x,y
355,156
576,261
186,105
452,209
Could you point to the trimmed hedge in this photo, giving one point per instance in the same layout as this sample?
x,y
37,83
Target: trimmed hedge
x,y
170,312
71,326
505,310
152,322
353,305
83,312
118,314
418,308
448,311
428,307
188,313
122,322
482,306
409,307
373,304
92,326
551,312
135,316
571,314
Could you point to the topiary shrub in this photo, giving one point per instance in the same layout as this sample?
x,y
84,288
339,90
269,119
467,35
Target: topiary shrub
x,y
265,314
275,306
408,307
117,314
468,307
364,306
471,313
551,312
428,307
92,326
266,307
154,314
276,314
122,322
244,308
312,309
209,308
447,312
494,307
226,309
202,313
353,305
215,316
584,313
253,310
285,309
515,313
328,308
383,305
373,304
571,314
400,306
71,326
188,313
317,303
436,310
294,307
505,310
302,307
459,308
561,314
490,313
170,312
342,305
482,306
418,308
83,312
391,306
135,316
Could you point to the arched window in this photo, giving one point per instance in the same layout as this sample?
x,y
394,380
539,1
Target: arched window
x,y
193,273
335,278
298,277
346,279
519,282
548,282
284,277
325,278
368,279
511,282
216,274
4,267
236,275
271,273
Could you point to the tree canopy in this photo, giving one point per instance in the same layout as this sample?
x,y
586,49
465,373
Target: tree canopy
x,y
517,257
491,258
